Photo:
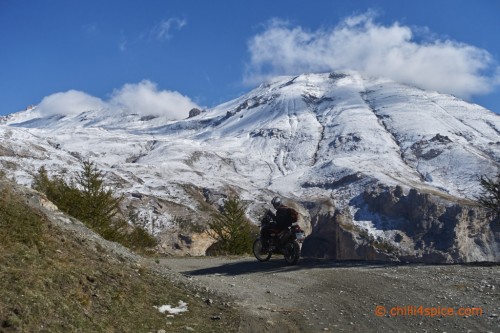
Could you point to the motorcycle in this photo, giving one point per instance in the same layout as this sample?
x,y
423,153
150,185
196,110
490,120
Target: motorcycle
x,y
286,242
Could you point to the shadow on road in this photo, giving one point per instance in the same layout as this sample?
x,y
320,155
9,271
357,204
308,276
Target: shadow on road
x,y
278,265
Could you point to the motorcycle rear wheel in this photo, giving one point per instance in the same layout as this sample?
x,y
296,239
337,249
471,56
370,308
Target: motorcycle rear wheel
x,y
257,251
292,252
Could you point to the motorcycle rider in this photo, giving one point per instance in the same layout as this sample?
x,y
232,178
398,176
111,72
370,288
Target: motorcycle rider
x,y
284,218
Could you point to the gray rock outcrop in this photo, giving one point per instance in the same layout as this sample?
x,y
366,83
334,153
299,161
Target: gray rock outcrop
x,y
194,112
415,227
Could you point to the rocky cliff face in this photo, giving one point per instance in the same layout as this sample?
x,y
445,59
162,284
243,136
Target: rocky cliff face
x,y
413,227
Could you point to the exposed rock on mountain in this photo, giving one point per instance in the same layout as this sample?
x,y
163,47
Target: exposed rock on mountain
x,y
194,112
416,227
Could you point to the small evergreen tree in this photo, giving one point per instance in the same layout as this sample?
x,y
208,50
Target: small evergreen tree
x,y
98,205
231,229
490,197
41,181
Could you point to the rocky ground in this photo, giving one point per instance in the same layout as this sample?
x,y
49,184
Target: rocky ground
x,y
323,295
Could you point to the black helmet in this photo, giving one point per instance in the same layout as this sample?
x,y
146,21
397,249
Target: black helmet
x,y
276,202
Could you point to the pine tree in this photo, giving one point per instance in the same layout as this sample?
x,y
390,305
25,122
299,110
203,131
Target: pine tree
x,y
490,197
97,203
231,229
41,181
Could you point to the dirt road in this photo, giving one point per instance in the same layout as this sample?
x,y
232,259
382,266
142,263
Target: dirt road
x,y
323,295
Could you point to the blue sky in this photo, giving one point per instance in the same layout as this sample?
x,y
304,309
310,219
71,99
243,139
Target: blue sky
x,y
152,53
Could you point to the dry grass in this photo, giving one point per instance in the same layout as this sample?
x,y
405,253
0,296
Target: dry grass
x,y
50,281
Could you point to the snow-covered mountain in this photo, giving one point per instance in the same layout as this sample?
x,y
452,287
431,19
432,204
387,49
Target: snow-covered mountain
x,y
312,138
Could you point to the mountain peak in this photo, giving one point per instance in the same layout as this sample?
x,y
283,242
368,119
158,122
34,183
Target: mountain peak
x,y
311,138
320,126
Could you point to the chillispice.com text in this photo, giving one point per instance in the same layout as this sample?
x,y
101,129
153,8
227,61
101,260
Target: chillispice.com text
x,y
422,311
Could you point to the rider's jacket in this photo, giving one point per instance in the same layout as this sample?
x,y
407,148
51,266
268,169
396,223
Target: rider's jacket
x,y
284,217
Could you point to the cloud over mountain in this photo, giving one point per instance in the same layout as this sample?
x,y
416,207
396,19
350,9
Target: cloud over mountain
x,y
145,98
71,102
142,98
360,43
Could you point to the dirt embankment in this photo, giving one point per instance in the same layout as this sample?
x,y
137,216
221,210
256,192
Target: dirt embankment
x,y
322,295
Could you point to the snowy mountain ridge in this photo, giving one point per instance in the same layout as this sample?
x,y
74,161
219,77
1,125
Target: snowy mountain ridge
x,y
309,138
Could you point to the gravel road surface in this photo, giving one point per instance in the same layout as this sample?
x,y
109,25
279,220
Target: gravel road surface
x,y
324,295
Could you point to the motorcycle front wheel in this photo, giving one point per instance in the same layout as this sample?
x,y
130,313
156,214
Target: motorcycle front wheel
x,y
292,252
257,251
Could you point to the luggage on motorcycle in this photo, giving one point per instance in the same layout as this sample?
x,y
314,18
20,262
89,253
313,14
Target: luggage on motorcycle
x,y
284,236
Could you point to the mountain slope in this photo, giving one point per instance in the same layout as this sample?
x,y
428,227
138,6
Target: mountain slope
x,y
58,276
309,138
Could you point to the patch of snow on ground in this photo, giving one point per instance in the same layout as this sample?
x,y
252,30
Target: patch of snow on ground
x,y
182,307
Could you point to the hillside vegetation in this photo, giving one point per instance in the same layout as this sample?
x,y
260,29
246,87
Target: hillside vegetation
x,y
52,280
87,198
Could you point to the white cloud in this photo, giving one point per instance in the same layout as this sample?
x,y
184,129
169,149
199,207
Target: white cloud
x,y
163,31
142,98
359,43
145,98
69,103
